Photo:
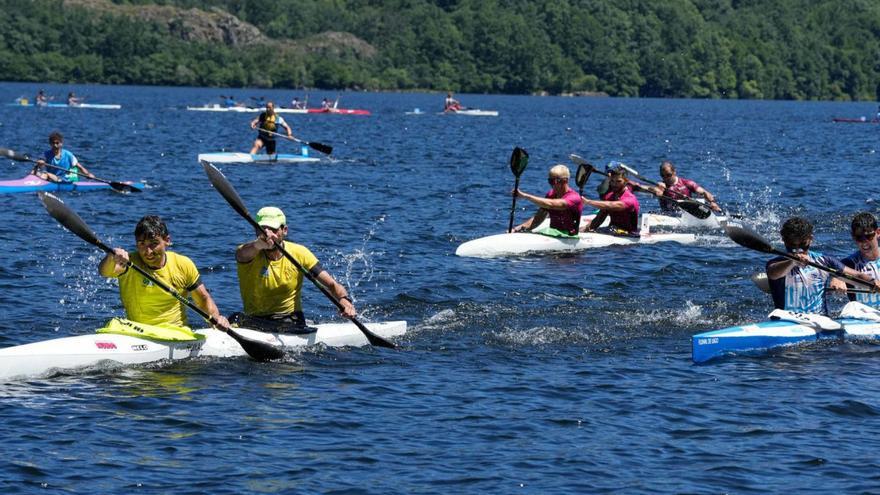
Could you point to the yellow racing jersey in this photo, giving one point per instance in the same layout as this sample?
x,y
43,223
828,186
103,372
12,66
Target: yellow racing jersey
x,y
274,287
145,302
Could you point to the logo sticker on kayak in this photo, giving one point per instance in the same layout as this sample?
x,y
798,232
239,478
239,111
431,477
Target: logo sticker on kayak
x,y
105,345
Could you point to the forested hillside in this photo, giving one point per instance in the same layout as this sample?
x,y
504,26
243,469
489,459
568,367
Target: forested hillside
x,y
782,49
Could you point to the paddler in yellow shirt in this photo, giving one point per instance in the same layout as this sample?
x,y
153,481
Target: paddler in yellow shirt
x,y
271,285
268,121
145,302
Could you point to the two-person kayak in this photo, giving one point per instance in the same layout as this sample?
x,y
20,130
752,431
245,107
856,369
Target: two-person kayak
x,y
80,352
857,322
32,183
97,106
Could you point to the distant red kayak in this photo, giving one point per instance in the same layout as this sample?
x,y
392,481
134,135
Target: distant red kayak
x,y
862,120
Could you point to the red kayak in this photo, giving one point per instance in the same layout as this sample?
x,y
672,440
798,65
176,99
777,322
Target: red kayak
x,y
862,120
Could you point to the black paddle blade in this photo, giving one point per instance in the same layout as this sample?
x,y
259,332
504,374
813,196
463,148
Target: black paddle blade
x,y
69,219
8,153
228,192
748,238
257,349
323,148
519,159
123,187
583,173
695,208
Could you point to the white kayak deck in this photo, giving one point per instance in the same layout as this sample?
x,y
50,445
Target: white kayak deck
x,y
232,157
85,351
514,244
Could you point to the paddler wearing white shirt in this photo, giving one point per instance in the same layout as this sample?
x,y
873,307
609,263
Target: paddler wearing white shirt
x,y
866,259
797,286
271,285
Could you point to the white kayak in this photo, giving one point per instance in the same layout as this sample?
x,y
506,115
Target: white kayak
x,y
85,351
302,157
685,221
528,242
474,112
215,107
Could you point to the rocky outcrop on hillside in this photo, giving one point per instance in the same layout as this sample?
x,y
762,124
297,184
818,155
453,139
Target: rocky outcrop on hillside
x,y
219,26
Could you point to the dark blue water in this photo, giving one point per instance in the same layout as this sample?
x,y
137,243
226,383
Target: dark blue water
x,y
567,374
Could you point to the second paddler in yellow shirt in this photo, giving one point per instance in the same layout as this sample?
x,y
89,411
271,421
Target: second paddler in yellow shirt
x,y
270,284
145,302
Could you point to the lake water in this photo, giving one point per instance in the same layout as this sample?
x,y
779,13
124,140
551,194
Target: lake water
x,y
544,374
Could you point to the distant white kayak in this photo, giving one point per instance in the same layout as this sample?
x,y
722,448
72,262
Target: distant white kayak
x,y
474,112
527,242
222,108
98,106
83,351
260,158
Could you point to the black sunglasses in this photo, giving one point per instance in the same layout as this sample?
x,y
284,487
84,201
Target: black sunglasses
x,y
864,237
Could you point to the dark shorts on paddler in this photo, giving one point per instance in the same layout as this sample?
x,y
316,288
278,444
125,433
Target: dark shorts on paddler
x,y
268,143
285,323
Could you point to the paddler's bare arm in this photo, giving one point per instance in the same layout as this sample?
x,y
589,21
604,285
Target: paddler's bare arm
x,y
203,300
546,203
340,292
249,250
114,264
779,269
605,205
532,222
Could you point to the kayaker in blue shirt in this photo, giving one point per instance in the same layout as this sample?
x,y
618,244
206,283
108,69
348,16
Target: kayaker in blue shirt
x,y
798,287
59,157
866,259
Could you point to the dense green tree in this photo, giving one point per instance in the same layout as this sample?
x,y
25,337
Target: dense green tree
x,y
788,49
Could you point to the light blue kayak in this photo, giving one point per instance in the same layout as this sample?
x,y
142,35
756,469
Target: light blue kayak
x,y
32,183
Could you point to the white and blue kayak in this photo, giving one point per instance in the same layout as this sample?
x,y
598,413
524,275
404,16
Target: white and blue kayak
x,y
857,323
520,243
302,157
105,350
97,106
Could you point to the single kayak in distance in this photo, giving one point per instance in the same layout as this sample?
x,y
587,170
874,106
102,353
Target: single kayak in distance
x,y
473,112
243,158
861,120
98,349
32,183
